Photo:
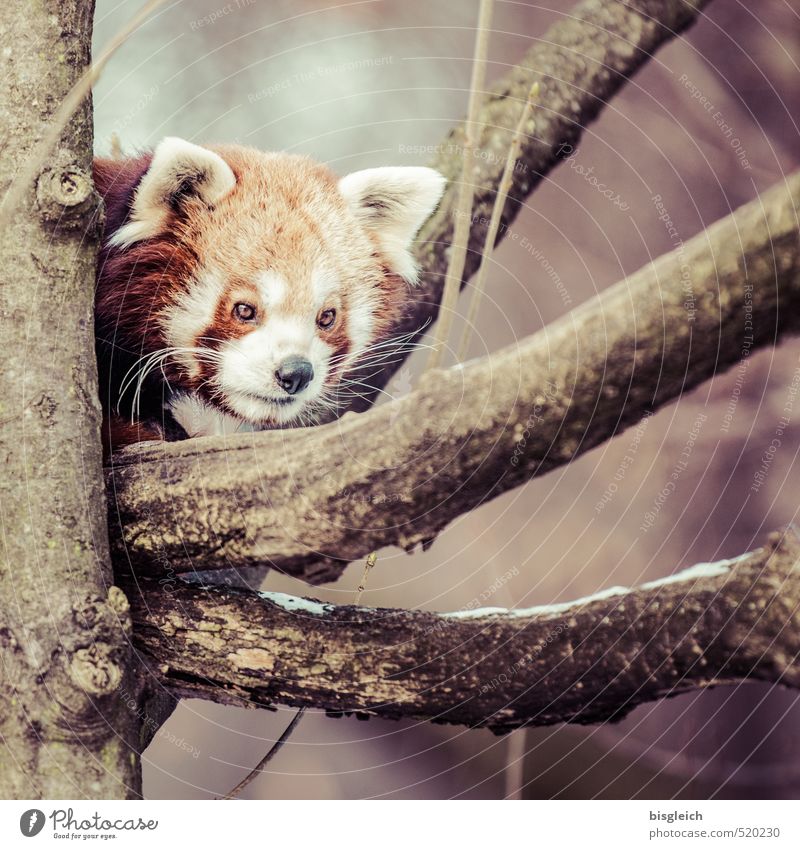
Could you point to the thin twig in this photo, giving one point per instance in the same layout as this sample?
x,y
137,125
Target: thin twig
x,y
259,767
497,214
466,191
116,147
515,764
61,117
372,559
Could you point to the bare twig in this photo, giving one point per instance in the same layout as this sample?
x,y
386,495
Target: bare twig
x,y
372,559
497,214
261,765
584,59
466,190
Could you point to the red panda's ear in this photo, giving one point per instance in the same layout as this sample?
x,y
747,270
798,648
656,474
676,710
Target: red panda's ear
x,y
393,203
179,171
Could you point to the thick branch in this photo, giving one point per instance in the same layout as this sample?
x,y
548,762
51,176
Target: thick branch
x,y
400,473
588,661
582,62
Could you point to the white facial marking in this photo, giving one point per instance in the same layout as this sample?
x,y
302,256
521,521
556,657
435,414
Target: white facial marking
x,y
192,314
288,335
323,285
199,418
273,289
248,366
360,310
360,321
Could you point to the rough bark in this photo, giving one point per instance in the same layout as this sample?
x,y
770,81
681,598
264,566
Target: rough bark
x,y
589,661
297,500
64,628
581,62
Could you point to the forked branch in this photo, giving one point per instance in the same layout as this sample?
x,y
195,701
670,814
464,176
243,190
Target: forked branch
x,y
307,501
581,62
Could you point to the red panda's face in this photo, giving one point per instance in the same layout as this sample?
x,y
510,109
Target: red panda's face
x,y
267,344
285,276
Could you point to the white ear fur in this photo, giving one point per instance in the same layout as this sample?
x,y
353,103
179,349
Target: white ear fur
x,y
393,203
179,169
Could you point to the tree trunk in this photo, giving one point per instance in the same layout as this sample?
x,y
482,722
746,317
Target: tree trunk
x,y
64,629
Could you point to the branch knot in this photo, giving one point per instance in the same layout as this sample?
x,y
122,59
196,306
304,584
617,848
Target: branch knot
x,y
66,196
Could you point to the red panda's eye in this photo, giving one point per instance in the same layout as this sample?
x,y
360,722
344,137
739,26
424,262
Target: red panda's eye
x,y
244,312
326,319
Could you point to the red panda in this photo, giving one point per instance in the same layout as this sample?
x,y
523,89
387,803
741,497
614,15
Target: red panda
x,y
237,286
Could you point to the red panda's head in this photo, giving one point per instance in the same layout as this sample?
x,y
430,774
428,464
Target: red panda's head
x,y
255,280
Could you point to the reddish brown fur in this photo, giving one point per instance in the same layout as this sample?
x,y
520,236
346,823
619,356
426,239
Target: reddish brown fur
x,y
116,433
284,213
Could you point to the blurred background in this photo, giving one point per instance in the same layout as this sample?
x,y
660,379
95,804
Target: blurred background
x,y
358,84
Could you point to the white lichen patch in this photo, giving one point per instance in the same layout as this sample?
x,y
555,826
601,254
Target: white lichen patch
x,y
693,573
295,604
538,610
699,570
476,613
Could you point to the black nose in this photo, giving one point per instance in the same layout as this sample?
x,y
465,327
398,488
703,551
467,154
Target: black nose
x,y
294,375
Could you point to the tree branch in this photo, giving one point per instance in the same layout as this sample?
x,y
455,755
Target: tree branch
x,y
587,661
582,62
308,500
